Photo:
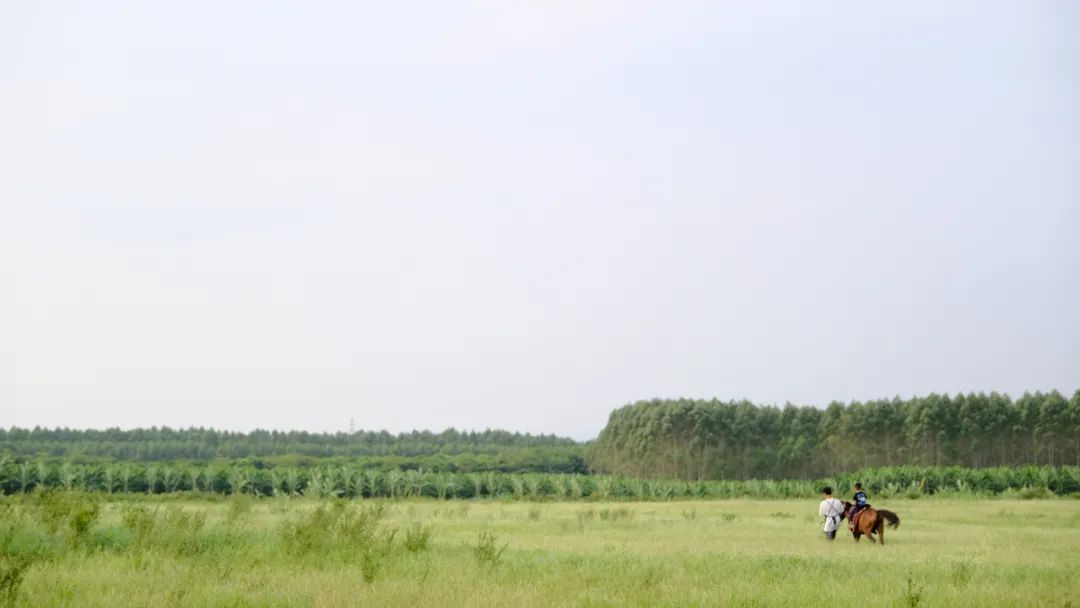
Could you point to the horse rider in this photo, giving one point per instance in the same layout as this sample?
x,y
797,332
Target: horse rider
x,y
832,510
859,502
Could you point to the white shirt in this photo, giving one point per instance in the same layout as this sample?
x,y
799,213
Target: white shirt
x,y
831,509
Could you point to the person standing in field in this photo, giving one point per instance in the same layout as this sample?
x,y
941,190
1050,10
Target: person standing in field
x,y
832,510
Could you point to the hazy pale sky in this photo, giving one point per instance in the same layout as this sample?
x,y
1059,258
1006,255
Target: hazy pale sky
x,y
523,215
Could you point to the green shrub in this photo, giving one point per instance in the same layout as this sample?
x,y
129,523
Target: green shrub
x,y
373,555
487,552
140,522
82,518
1034,493
341,529
418,537
74,513
914,491
53,508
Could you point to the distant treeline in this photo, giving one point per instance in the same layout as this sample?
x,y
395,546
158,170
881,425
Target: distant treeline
x,y
672,439
690,439
450,450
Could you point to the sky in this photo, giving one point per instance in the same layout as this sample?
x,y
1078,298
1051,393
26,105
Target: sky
x,y
523,215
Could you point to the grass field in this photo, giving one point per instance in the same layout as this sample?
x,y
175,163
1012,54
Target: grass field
x,y
166,551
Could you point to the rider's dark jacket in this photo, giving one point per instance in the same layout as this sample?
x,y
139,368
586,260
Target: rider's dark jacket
x,y
859,499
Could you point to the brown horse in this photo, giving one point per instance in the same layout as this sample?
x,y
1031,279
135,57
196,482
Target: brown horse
x,y
870,521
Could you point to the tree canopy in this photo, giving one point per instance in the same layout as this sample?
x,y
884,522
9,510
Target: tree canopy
x,y
694,439
449,450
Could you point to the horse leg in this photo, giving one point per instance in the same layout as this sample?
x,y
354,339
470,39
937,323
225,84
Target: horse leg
x,y
881,530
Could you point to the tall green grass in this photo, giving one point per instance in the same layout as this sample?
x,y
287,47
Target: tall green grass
x,y
69,548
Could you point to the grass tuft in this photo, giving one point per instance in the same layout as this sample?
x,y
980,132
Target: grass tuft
x,y
486,550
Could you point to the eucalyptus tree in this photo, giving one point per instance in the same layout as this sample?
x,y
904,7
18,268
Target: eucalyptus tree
x,y
1052,421
715,439
446,449
1073,425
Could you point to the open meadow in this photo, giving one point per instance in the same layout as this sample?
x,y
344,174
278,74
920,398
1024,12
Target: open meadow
x,y
63,549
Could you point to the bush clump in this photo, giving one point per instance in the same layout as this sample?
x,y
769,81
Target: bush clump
x,y
70,515
418,537
344,532
487,551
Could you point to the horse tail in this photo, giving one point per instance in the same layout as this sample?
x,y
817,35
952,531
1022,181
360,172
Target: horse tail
x,y
892,518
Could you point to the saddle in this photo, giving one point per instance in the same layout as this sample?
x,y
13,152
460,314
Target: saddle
x,y
855,518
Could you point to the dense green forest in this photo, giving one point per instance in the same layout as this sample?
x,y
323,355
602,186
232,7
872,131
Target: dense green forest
x,y
450,450
675,439
739,440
